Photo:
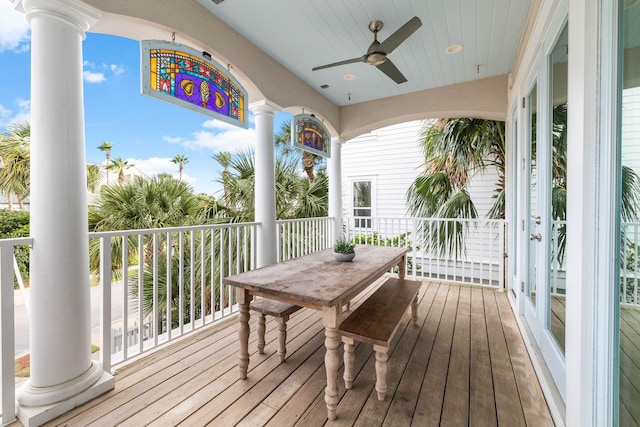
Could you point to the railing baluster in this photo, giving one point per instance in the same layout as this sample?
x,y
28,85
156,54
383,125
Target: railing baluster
x,y
125,297
220,273
105,306
141,255
181,282
203,279
192,280
169,296
156,328
7,341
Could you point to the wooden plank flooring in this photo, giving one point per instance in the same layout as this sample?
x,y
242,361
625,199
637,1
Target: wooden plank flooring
x,y
465,364
629,366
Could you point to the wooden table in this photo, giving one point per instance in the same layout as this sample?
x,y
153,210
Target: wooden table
x,y
320,282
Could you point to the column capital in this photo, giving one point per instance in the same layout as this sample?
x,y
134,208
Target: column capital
x,y
337,141
264,107
72,12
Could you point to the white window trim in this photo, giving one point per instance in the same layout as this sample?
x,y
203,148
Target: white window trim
x,y
374,193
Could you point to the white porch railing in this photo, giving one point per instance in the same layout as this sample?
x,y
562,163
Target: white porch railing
x,y
297,237
7,326
177,271
470,251
199,257
630,264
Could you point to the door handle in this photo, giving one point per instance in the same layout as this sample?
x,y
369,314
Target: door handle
x,y
537,237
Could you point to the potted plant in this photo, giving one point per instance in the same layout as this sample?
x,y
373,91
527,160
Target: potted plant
x,y
344,250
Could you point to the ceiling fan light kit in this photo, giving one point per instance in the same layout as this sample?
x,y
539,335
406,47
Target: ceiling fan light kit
x,y
453,49
377,52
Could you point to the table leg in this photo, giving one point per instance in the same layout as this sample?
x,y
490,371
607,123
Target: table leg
x,y
331,316
401,269
244,298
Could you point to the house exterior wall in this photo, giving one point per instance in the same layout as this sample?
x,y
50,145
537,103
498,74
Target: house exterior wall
x,y
369,157
392,170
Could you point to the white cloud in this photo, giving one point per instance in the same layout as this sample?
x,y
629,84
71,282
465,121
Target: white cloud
x,y
14,29
21,113
156,165
91,77
173,139
222,137
116,69
96,74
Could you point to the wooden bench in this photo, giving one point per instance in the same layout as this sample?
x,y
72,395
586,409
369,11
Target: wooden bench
x,y
375,322
281,312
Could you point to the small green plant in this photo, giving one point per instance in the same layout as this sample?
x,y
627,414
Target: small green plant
x,y
343,246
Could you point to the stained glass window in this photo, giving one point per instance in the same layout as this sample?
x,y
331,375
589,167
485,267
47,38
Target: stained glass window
x,y
181,75
309,134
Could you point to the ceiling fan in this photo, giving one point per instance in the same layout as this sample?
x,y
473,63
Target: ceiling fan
x,y
377,52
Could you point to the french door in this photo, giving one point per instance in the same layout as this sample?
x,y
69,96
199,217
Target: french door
x,y
544,226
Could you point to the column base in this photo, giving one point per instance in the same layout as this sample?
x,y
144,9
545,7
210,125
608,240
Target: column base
x,y
33,410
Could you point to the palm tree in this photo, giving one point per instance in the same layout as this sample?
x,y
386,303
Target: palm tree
x,y
15,152
94,175
180,160
120,165
144,204
455,150
224,158
296,197
106,148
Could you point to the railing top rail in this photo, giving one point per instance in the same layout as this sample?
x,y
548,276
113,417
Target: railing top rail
x,y
407,218
318,218
16,241
96,234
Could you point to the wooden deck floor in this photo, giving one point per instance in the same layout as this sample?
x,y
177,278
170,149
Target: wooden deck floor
x,y
465,364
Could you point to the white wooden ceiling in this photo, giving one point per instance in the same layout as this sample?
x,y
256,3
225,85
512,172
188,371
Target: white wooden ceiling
x,y
302,34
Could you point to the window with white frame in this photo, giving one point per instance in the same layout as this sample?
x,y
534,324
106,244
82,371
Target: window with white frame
x,y
362,202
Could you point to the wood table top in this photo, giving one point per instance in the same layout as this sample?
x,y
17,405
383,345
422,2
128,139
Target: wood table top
x,y
317,279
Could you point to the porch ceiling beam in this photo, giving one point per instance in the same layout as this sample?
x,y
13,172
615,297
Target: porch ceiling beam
x,y
484,99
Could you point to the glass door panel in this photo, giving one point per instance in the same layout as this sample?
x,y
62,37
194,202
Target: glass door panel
x,y
629,205
558,191
534,219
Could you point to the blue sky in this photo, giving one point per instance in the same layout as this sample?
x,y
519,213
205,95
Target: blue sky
x,y
145,131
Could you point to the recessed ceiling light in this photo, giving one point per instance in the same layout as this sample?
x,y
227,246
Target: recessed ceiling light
x,y
349,76
630,3
454,48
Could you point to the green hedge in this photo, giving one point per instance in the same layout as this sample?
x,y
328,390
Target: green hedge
x,y
15,224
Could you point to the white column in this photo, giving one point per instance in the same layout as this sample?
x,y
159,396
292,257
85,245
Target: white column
x,y
334,168
265,187
62,371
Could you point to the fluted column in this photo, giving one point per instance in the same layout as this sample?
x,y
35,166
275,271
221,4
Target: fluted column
x,y
265,187
61,367
334,168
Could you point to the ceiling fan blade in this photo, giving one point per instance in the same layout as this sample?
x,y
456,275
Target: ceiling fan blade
x,y
335,64
392,71
395,39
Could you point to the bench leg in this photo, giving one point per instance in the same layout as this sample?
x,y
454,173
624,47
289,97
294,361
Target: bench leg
x,y
414,311
282,337
261,329
381,371
349,359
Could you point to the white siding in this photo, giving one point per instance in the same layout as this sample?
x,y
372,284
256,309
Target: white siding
x,y
631,128
392,158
